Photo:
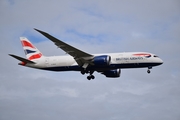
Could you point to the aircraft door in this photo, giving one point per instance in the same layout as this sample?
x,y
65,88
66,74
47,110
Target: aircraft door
x,y
47,62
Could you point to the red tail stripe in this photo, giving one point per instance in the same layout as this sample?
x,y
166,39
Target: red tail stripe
x,y
36,56
27,44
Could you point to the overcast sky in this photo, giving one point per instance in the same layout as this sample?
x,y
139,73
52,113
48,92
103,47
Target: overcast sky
x,y
94,26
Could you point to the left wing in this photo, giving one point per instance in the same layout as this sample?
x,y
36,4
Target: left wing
x,y
82,58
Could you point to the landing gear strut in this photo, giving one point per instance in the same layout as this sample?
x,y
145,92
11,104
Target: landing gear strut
x,y
90,76
148,71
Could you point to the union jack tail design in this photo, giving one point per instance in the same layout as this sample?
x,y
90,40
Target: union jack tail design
x,y
30,50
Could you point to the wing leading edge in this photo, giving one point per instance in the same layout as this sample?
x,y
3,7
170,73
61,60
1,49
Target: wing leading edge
x,y
82,58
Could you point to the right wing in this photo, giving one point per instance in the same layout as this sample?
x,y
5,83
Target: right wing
x,y
82,58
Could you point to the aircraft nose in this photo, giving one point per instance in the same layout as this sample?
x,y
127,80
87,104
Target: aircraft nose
x,y
160,61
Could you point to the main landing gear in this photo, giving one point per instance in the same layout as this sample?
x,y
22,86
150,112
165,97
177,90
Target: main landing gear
x,y
91,76
148,71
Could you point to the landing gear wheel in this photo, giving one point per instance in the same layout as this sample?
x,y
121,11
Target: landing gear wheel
x,y
90,77
83,72
148,71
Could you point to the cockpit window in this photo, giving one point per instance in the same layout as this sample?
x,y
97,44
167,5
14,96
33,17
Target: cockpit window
x,y
155,56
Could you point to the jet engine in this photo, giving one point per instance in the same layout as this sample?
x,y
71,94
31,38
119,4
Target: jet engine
x,y
112,73
103,60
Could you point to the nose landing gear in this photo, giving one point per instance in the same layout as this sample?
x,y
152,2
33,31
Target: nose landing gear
x,y
148,71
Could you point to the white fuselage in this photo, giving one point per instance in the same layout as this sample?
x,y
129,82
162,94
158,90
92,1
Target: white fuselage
x,y
118,60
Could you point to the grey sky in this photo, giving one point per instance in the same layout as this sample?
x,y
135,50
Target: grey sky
x,y
95,27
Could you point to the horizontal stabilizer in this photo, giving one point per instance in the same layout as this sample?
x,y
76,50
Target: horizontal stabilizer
x,y
22,59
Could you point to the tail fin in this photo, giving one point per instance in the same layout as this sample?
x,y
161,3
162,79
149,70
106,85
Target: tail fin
x,y
30,50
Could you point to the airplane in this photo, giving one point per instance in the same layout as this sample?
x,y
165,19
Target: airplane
x,y
108,64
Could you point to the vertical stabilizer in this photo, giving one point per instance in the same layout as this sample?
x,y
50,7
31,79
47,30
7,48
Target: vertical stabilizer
x,y
30,50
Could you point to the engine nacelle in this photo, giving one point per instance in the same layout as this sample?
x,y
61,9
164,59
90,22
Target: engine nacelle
x,y
103,60
112,73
